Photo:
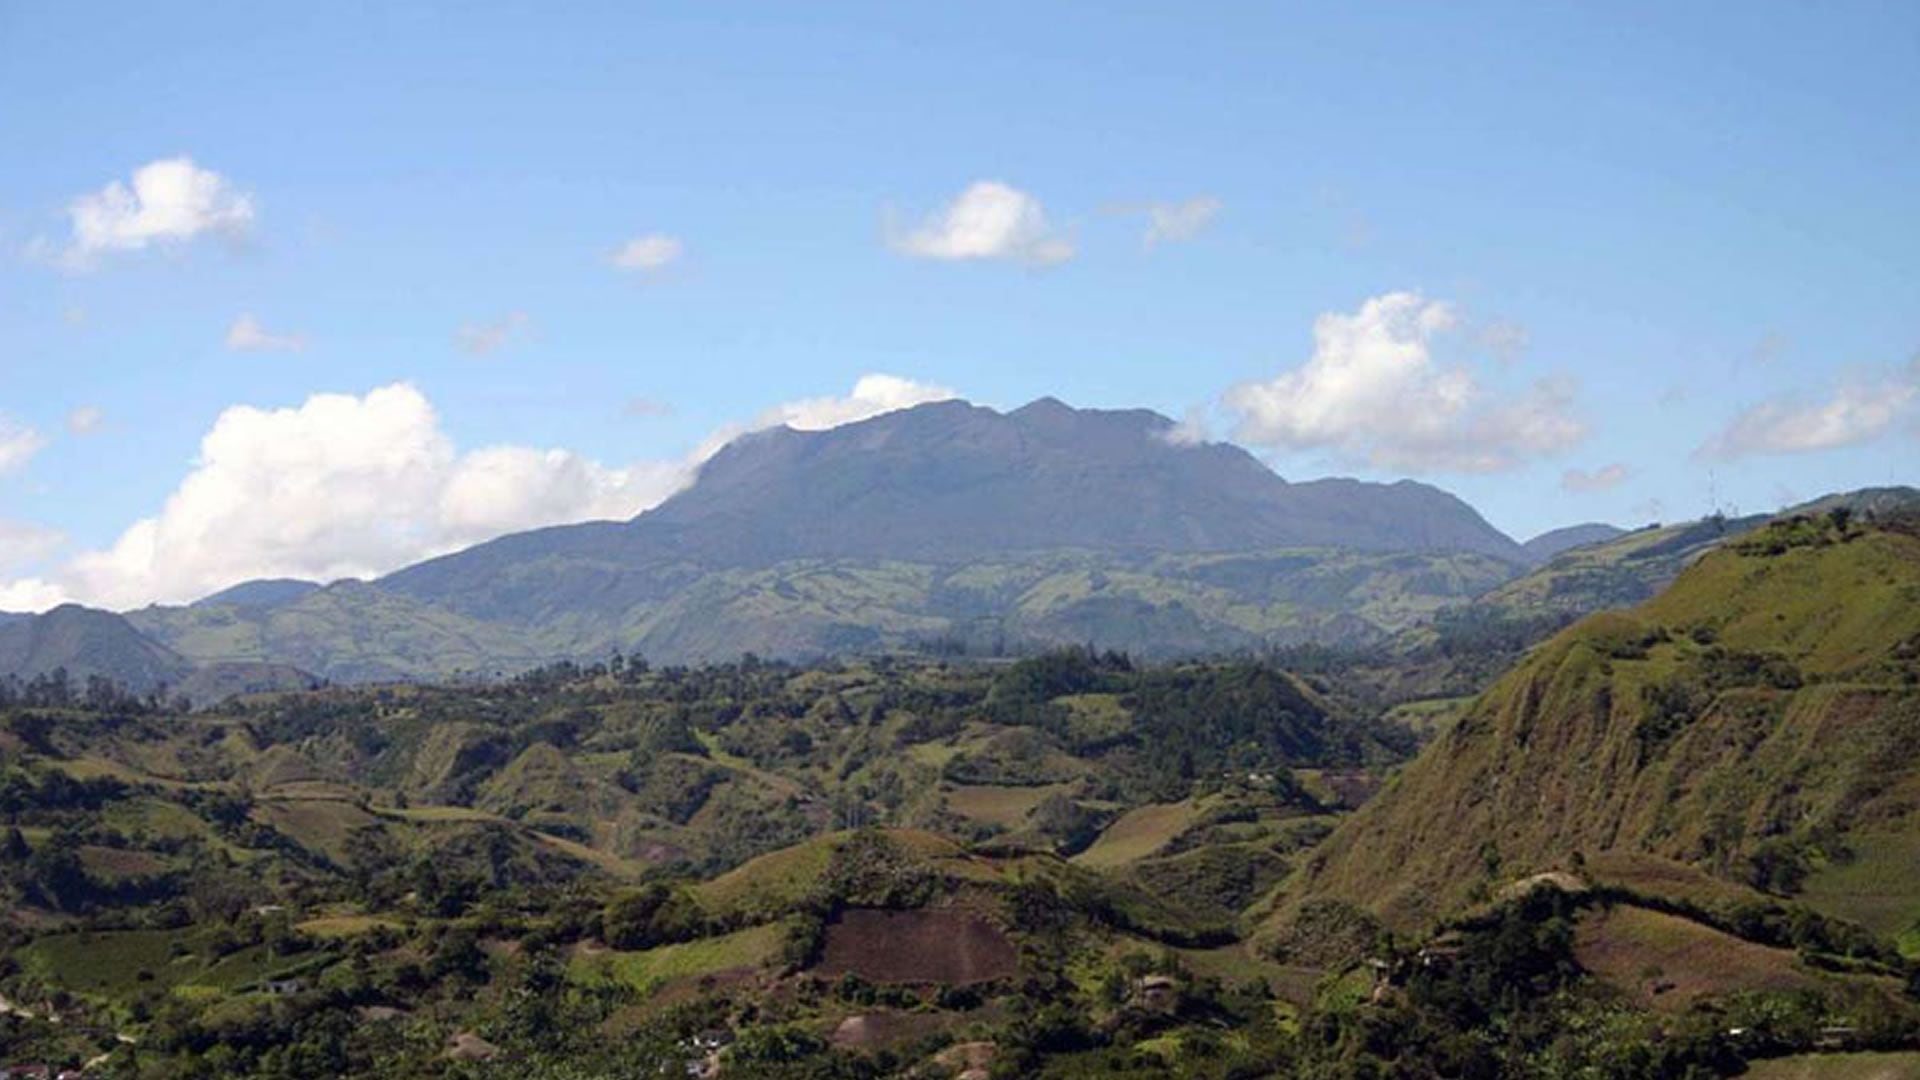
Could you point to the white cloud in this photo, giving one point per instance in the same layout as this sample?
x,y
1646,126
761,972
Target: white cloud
x,y
871,396
357,486
989,220
1373,393
248,335
1864,406
1194,428
30,594
488,337
1604,478
170,201
22,543
1180,222
18,444
647,254
85,420
1505,341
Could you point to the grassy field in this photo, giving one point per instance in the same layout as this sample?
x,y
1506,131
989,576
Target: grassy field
x,y
1138,834
772,881
1003,805
1655,876
317,824
1879,888
1432,717
343,926
646,971
119,964
1896,1066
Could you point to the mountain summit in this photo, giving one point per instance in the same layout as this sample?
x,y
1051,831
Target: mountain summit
x,y
953,482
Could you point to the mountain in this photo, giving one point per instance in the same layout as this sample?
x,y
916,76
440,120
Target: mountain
x,y
348,632
1634,566
260,593
950,520
87,642
1548,544
1757,724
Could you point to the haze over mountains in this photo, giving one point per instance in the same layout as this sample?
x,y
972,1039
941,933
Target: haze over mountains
x,y
947,525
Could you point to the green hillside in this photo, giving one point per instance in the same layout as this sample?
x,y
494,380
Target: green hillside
x,y
1759,721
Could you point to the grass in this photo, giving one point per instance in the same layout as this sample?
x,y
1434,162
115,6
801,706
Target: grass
x,y
1879,888
648,970
1432,717
345,926
122,964
1138,833
1903,1065
772,882
1004,805
438,814
316,824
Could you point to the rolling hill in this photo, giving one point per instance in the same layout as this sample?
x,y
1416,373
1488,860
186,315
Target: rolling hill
x,y
1551,543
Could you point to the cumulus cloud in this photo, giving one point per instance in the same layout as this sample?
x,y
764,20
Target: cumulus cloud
x,y
648,254
356,486
248,335
30,594
482,338
23,544
85,420
18,444
1181,221
342,486
1604,478
170,201
1863,407
871,396
989,220
1373,393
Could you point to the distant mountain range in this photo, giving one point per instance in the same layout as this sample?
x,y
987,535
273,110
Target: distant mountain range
x,y
947,526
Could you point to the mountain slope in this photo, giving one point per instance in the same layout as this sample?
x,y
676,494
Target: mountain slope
x,y
1748,722
263,593
87,642
943,484
1551,543
348,632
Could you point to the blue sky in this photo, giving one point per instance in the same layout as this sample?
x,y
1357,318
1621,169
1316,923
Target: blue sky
x,y
1666,251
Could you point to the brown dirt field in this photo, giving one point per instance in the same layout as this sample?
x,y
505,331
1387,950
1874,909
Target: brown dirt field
x,y
1353,786
949,947
1628,945
870,1031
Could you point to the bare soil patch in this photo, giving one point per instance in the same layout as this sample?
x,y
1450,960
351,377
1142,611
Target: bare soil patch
x,y
1667,963
942,946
